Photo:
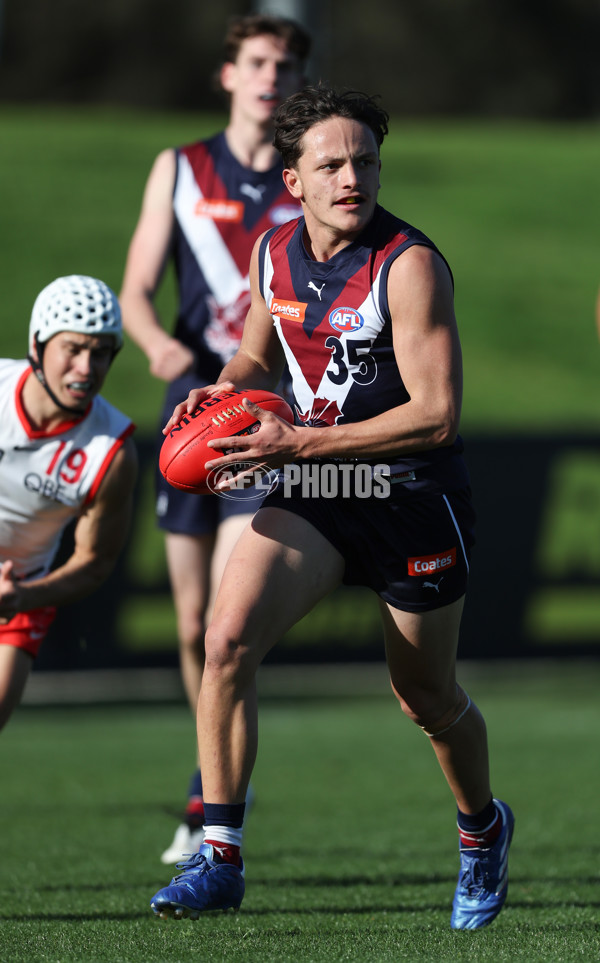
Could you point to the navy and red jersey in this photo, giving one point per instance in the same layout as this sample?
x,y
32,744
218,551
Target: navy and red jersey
x,y
220,209
334,324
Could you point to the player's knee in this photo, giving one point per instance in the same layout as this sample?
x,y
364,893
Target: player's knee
x,y
190,630
435,716
225,654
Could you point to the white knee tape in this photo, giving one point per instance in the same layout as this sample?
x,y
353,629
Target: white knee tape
x,y
450,718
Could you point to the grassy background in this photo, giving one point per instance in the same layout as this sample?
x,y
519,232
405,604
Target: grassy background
x,y
512,207
350,848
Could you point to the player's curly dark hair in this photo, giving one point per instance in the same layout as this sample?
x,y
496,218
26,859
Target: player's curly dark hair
x,y
313,104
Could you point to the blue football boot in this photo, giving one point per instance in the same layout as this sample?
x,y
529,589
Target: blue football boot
x,y
205,883
483,878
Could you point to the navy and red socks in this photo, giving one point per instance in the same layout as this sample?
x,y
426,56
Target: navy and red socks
x,y
223,828
481,830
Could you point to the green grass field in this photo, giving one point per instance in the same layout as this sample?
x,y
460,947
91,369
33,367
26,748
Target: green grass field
x,y
350,850
512,206
350,847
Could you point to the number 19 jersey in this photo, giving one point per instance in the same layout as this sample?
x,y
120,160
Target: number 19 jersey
x,y
46,478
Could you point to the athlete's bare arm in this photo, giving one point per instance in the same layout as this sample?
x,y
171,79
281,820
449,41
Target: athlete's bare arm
x,y
427,348
146,260
100,534
428,352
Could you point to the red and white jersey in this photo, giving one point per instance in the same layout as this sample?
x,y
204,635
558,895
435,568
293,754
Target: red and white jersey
x,y
47,478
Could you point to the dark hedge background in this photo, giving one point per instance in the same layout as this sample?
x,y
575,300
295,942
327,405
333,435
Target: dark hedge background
x,y
504,58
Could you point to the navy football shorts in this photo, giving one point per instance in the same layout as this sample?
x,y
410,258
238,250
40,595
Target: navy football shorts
x,y
412,549
184,513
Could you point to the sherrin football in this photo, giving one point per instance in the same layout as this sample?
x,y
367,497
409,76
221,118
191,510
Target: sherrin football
x,y
185,451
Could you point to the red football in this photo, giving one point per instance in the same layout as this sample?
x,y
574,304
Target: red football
x,y
184,451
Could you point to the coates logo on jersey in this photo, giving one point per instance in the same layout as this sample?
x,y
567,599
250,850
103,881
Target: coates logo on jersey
x,y
345,320
430,564
220,210
291,310
284,213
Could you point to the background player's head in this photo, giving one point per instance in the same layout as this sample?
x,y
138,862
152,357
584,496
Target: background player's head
x,y
86,310
312,105
264,62
295,37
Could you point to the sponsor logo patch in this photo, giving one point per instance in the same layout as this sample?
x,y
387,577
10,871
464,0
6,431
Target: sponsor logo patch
x,y
284,213
429,564
292,310
345,319
220,210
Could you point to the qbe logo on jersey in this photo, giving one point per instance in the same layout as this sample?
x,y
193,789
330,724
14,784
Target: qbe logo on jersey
x,y
345,320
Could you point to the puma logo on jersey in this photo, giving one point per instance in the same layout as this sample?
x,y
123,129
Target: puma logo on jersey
x,y
314,287
254,193
434,585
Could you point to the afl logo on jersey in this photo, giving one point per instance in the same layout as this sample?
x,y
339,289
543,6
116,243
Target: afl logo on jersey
x,y
345,319
284,213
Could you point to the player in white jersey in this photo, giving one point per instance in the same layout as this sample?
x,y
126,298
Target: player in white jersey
x,y
65,454
204,206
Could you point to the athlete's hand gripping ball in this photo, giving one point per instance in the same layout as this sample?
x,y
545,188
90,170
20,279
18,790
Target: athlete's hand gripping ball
x,y
185,450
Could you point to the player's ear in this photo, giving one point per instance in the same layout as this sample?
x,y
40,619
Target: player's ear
x,y
293,183
226,76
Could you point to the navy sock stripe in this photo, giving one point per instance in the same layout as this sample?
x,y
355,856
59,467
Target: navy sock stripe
x,y
224,814
478,822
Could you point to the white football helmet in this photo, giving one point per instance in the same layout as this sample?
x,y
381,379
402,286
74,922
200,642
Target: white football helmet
x,y
76,303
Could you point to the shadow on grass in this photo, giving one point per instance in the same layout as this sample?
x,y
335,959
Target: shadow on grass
x,y
213,914
70,917
330,910
332,882
270,882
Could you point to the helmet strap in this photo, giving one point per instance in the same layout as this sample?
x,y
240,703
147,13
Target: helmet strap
x,y
38,371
